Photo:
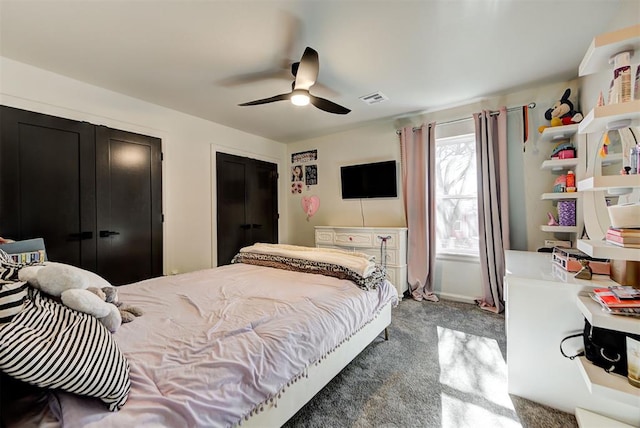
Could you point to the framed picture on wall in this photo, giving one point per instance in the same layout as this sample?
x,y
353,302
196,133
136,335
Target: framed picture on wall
x,y
311,174
297,173
306,156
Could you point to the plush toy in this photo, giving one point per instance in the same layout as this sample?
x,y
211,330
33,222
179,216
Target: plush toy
x,y
562,112
74,287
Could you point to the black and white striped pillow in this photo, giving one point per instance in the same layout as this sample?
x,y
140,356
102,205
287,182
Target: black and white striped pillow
x,y
52,346
13,292
12,297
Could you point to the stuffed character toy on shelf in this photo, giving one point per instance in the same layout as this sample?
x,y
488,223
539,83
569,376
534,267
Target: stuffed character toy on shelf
x,y
80,291
562,113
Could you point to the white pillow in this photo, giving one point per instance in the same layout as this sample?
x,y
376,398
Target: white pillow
x,y
28,274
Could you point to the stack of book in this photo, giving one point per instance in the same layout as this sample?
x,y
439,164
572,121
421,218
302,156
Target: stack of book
x,y
37,256
624,237
618,299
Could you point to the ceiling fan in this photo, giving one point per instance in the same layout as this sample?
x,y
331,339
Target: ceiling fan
x,y
305,73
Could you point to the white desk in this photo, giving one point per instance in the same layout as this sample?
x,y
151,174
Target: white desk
x,y
541,309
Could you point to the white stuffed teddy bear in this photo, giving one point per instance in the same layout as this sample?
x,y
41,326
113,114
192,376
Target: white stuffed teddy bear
x,y
78,289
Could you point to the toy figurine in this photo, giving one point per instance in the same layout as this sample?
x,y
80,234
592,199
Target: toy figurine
x,y
585,272
562,112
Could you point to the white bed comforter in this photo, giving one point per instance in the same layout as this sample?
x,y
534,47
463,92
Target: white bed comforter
x,y
213,344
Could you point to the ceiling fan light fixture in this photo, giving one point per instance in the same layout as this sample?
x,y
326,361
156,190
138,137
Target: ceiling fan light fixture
x,y
299,98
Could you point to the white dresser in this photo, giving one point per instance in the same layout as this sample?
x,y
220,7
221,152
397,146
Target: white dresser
x,y
369,240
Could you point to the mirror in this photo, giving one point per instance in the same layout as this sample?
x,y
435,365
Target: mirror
x,y
609,154
614,150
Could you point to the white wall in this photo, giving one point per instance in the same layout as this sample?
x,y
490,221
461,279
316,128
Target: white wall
x,y
456,278
187,141
373,143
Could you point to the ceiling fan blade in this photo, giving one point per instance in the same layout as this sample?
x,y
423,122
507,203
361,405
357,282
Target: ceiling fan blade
x,y
307,72
328,106
275,98
276,74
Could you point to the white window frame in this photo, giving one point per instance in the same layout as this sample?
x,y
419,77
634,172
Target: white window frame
x,y
445,253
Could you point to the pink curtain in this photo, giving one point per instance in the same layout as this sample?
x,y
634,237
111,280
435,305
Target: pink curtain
x,y
417,158
493,204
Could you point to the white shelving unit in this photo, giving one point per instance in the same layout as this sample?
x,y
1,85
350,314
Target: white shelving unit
x,y
559,229
604,250
587,419
559,196
606,384
605,182
598,118
598,381
555,133
603,47
559,164
552,135
593,312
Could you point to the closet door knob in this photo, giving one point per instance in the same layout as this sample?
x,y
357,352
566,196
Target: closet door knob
x,y
107,233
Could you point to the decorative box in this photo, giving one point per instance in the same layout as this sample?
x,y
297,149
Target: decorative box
x,y
569,260
626,272
567,213
624,215
566,154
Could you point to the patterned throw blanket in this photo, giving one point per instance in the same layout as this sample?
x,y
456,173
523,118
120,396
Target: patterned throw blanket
x,y
356,267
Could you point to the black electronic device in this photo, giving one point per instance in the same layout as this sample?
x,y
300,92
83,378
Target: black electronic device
x,y
370,180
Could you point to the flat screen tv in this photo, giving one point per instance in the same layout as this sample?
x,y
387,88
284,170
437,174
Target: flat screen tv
x,y
370,180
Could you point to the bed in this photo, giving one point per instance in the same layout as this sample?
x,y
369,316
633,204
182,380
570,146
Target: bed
x,y
245,344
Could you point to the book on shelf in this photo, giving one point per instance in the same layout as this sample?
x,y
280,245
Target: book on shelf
x,y
624,231
623,244
623,292
623,239
608,298
28,257
632,312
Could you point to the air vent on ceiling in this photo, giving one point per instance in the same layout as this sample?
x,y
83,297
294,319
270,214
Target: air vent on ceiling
x,y
374,98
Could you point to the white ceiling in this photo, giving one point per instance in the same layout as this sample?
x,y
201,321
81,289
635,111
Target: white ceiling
x,y
190,55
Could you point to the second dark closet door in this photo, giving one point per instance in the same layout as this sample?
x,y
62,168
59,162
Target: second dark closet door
x,y
129,211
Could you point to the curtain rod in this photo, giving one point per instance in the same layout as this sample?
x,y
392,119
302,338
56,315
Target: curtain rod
x,y
530,105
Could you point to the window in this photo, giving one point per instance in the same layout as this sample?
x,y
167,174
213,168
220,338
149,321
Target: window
x,y
456,196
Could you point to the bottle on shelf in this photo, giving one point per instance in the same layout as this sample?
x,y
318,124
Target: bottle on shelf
x,y
571,182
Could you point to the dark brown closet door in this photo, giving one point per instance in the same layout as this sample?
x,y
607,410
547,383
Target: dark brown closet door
x,y
247,204
47,184
129,201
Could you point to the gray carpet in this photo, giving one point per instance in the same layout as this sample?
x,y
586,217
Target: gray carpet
x,y
453,376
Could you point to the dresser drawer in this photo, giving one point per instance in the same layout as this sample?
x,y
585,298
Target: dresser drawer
x,y
393,238
397,275
324,237
355,239
392,255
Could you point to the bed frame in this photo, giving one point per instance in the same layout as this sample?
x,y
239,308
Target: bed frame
x,y
302,391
